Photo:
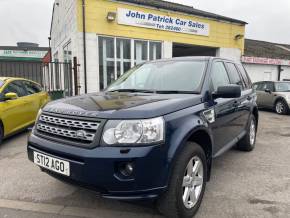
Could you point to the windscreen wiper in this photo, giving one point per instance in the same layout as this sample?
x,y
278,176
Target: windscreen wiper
x,y
132,90
175,92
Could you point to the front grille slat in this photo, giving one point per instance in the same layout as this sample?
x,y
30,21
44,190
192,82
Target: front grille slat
x,y
74,130
69,122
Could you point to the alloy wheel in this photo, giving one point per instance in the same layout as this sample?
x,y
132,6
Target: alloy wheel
x,y
280,107
192,182
252,132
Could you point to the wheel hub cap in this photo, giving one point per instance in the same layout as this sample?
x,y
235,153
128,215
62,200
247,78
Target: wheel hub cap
x,y
279,107
252,132
192,182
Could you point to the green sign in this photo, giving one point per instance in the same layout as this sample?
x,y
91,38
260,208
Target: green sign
x,y
22,54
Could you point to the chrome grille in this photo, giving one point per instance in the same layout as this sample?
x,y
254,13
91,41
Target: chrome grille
x,y
69,122
67,129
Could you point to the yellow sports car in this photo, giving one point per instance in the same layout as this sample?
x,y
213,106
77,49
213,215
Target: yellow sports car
x,y
20,100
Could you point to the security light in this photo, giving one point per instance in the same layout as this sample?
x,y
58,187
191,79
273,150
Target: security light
x,y
111,16
239,36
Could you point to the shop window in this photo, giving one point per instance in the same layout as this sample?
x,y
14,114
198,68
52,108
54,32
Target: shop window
x,y
141,51
123,56
67,57
56,71
107,61
267,75
155,50
116,56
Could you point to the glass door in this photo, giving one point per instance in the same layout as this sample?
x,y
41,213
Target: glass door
x,y
68,80
123,56
141,51
107,61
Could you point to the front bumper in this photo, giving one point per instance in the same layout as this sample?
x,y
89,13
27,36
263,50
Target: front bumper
x,y
97,169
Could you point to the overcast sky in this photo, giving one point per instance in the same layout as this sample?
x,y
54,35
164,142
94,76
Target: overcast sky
x,y
29,20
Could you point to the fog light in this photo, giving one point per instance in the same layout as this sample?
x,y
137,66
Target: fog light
x,y
127,169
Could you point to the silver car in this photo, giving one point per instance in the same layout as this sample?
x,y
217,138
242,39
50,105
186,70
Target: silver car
x,y
273,95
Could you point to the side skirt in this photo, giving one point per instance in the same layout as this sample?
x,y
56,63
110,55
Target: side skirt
x,y
230,144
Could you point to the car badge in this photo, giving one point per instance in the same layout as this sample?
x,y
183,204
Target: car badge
x,y
81,134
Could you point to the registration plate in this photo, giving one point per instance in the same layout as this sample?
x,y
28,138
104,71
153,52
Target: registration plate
x,y
51,163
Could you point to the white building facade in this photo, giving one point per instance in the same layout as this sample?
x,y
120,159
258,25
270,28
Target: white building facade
x,y
265,61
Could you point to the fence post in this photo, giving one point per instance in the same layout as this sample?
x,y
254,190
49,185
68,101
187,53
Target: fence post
x,y
75,73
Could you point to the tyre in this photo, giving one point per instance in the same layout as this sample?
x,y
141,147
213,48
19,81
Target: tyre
x,y
248,142
1,134
187,184
281,107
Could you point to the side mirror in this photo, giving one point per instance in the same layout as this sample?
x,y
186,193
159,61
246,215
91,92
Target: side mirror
x,y
268,91
230,91
10,96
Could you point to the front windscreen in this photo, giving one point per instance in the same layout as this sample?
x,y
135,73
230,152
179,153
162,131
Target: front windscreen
x,y
182,76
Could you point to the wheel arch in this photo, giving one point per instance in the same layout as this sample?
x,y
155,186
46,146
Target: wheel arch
x,y
202,137
280,98
255,112
2,126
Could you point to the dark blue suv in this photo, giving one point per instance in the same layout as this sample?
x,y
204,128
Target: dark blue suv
x,y
152,134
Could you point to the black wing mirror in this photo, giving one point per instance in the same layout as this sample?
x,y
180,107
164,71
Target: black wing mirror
x,y
229,91
268,91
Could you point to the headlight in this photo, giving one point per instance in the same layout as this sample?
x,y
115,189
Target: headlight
x,y
38,115
118,132
36,119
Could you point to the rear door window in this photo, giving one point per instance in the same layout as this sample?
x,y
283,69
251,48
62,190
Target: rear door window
x,y
234,75
244,75
31,87
269,86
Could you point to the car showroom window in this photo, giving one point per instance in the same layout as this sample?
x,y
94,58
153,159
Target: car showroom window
x,y
219,75
234,75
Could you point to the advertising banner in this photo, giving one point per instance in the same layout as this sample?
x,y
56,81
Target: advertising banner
x,y
160,22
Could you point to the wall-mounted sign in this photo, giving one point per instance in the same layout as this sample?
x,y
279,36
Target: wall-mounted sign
x,y
22,53
160,22
266,61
